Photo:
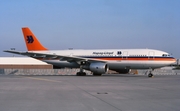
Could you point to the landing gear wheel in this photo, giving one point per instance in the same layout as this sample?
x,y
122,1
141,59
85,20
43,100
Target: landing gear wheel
x,y
77,74
83,74
150,75
80,74
96,74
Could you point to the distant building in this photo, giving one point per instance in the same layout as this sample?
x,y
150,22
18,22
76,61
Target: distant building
x,y
23,63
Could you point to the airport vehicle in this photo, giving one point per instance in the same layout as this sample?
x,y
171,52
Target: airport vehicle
x,y
97,61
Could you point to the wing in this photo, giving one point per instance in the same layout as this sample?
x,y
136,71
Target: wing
x,y
54,56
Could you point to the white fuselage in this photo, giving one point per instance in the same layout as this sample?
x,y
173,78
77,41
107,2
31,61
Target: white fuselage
x,y
115,58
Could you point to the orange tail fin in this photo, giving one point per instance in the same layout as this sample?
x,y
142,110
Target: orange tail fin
x,y
31,41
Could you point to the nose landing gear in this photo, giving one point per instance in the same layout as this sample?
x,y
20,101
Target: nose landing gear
x,y
150,74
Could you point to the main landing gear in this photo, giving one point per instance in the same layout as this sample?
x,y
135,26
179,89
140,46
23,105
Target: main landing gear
x,y
96,74
150,73
81,72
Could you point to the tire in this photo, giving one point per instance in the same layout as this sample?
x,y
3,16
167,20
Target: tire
x,y
150,75
96,74
77,74
83,74
80,74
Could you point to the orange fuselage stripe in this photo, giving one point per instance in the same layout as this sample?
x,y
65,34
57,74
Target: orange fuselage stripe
x,y
120,58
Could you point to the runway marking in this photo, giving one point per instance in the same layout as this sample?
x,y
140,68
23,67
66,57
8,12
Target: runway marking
x,y
49,80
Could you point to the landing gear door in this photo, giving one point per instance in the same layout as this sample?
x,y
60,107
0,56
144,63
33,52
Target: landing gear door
x,y
151,55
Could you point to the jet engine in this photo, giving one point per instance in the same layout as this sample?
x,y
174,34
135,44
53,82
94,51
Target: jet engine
x,y
99,67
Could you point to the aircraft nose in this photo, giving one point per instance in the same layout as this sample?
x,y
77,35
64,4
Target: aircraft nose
x,y
174,60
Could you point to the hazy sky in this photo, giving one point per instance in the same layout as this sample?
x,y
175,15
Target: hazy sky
x,y
92,24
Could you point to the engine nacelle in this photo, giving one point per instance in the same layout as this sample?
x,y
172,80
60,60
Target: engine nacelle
x,y
99,67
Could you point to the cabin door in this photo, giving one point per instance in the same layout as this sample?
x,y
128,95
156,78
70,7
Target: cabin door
x,y
125,55
151,55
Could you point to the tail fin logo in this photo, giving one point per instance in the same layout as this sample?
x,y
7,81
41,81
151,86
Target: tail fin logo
x,y
30,39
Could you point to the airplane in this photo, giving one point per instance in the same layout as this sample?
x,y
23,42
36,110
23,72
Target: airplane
x,y
97,61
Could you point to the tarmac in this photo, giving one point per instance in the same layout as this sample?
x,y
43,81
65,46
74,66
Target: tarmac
x,y
90,93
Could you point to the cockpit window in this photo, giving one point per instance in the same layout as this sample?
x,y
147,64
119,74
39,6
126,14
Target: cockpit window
x,y
166,55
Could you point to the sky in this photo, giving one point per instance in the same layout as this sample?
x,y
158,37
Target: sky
x,y
92,24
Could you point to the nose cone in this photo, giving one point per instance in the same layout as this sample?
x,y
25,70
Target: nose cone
x,y
174,61
170,61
